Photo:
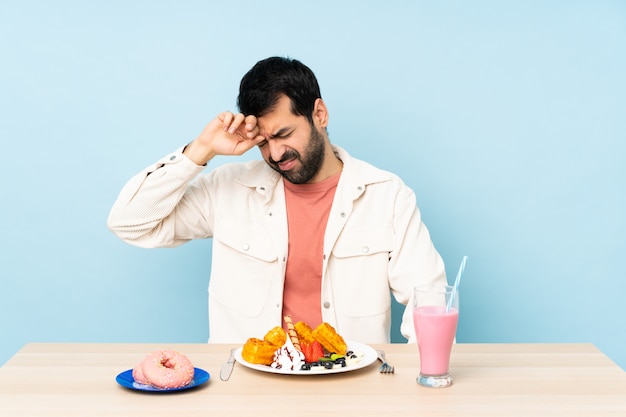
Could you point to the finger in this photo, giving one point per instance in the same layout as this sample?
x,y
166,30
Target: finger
x,y
252,131
258,139
252,128
236,122
251,122
226,118
245,145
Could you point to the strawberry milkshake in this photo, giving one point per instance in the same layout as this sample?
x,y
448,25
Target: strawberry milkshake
x,y
435,320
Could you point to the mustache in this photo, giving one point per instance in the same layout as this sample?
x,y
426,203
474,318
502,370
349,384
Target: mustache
x,y
291,154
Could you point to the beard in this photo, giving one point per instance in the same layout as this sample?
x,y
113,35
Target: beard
x,y
310,163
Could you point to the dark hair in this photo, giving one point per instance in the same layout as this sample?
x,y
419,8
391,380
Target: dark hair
x,y
269,79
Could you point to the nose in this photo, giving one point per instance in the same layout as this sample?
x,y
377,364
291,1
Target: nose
x,y
276,150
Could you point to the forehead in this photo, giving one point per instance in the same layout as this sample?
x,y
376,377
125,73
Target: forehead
x,y
278,118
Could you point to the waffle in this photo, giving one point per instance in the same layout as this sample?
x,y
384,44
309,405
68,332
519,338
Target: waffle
x,y
304,332
330,339
262,351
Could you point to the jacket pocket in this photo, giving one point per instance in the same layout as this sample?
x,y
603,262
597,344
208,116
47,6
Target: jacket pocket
x,y
243,267
359,271
351,244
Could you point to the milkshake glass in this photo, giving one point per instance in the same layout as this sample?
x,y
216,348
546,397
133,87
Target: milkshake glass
x,y
435,317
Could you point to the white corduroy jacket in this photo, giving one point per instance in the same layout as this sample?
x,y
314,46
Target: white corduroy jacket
x,y
375,242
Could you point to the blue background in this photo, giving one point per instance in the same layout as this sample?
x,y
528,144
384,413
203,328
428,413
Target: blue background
x,y
508,119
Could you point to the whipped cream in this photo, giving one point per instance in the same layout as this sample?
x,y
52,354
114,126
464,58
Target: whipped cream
x,y
288,357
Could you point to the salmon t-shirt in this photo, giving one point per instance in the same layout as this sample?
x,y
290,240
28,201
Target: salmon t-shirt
x,y
308,207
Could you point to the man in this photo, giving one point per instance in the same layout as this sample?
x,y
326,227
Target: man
x,y
309,232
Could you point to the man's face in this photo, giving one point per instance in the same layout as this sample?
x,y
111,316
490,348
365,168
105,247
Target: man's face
x,y
293,147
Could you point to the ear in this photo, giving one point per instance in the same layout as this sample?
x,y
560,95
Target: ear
x,y
320,113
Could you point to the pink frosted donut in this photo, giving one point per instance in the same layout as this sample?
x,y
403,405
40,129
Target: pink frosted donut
x,y
167,369
138,375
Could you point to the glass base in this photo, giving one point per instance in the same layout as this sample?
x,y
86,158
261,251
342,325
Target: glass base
x,y
435,381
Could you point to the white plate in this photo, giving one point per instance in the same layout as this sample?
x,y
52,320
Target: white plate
x,y
369,357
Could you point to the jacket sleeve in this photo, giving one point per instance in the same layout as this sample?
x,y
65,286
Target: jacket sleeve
x,y
159,207
415,261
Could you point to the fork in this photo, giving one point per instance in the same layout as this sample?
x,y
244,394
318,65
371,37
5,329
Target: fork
x,y
385,368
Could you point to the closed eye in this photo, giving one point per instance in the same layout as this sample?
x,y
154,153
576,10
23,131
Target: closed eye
x,y
282,133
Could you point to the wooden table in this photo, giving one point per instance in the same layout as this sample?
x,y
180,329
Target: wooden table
x,y
50,379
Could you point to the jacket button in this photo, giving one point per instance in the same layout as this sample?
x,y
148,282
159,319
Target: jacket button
x,y
172,157
365,249
245,246
326,304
